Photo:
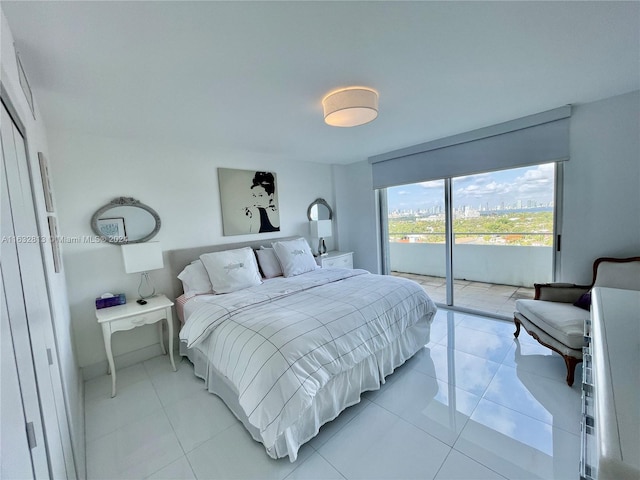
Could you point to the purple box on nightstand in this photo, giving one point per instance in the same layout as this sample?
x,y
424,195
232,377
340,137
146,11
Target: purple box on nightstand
x,y
118,299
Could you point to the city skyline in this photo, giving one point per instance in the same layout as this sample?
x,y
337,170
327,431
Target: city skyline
x,y
524,187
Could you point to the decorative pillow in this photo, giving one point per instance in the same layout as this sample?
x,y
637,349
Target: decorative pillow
x,y
584,301
232,270
195,280
268,262
295,256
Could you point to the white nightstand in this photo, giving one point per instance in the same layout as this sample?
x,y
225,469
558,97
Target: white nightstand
x,y
132,315
335,259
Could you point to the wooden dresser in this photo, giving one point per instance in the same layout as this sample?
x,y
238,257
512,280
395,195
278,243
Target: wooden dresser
x,y
611,387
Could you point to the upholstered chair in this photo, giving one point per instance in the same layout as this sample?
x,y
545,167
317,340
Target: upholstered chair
x,y
557,314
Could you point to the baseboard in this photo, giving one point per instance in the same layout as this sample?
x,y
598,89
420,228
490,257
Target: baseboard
x,y
79,438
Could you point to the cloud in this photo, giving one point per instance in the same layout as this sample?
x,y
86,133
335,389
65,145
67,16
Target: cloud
x,y
479,178
432,184
482,189
534,183
537,181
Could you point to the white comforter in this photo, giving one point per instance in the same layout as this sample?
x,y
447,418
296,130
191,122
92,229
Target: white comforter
x,y
280,342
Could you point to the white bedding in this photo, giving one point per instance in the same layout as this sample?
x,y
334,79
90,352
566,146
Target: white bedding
x,y
280,343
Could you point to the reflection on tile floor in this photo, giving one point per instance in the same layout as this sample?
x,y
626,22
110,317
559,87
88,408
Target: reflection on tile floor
x,y
495,299
473,404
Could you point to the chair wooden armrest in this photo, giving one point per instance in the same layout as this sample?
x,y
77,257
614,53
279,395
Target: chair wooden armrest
x,y
559,292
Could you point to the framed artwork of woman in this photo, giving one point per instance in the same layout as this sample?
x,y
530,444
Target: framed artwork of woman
x,y
249,201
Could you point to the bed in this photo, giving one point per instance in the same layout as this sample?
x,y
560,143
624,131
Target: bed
x,y
289,353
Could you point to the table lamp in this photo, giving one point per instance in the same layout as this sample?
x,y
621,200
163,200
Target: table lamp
x,y
320,229
141,258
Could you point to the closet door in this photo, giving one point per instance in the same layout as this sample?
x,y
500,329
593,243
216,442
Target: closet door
x,y
15,461
16,348
29,315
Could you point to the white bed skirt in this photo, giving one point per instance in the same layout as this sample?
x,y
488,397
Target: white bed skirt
x,y
340,392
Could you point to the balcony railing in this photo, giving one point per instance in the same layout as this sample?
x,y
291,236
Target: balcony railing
x,y
498,262
522,239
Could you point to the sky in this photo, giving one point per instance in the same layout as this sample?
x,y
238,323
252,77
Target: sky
x,y
534,183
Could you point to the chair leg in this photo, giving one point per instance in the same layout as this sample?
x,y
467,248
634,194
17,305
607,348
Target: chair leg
x,y
571,363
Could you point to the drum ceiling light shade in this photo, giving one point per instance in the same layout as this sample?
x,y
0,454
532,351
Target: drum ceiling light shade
x,y
350,107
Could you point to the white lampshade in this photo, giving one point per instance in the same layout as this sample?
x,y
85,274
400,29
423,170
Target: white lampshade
x,y
320,228
142,257
350,107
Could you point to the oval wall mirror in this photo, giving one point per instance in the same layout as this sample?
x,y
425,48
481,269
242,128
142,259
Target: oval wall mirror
x,y
125,220
319,210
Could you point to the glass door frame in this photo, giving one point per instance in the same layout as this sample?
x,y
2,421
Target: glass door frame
x,y
449,237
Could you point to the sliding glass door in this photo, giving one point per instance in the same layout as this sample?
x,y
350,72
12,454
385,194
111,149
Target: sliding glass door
x,y
417,234
475,242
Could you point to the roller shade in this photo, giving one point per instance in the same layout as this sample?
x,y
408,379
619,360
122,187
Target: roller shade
x,y
531,140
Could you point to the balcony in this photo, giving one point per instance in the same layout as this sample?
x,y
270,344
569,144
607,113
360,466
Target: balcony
x,y
496,299
489,278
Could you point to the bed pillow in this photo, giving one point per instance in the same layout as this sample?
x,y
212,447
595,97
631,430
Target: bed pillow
x,y
195,280
295,256
268,262
232,270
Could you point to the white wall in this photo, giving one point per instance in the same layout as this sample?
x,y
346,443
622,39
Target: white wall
x,y
601,212
182,186
36,138
602,185
356,214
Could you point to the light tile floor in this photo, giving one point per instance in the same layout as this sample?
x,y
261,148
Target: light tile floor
x,y
495,299
473,404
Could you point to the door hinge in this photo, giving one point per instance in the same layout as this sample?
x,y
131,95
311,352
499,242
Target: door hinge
x,y
49,356
31,436
558,242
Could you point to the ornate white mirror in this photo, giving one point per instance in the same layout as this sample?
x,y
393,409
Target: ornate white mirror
x,y
125,220
319,210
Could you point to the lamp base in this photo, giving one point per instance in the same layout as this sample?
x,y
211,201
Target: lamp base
x,y
146,288
322,247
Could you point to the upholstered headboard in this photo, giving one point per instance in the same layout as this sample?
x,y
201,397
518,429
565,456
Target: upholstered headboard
x,y
178,259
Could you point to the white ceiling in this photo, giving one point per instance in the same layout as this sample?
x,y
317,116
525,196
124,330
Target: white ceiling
x,y
248,77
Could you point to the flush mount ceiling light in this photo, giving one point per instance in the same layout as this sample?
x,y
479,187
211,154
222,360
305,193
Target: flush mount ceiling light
x,y
350,107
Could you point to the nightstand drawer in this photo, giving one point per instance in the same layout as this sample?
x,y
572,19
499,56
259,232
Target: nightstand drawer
x,y
343,261
137,320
